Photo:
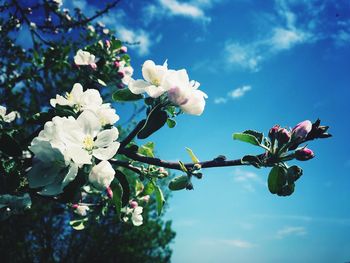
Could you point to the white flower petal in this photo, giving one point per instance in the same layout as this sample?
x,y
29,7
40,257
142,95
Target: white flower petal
x,y
137,86
89,122
155,91
106,137
79,155
106,153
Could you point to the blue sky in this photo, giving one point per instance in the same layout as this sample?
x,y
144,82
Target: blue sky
x,y
261,63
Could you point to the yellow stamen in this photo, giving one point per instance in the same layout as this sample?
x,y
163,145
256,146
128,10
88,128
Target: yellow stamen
x,y
88,143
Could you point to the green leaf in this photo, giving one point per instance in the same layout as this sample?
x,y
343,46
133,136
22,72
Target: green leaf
x,y
253,160
155,120
125,186
178,183
183,167
147,149
246,138
276,179
123,95
117,198
9,145
116,44
159,199
192,155
139,187
258,135
78,224
101,82
149,188
171,123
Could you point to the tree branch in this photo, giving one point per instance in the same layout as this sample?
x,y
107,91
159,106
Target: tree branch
x,y
132,134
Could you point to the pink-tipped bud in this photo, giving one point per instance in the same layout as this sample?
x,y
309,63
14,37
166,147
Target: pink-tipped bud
x,y
120,86
108,43
121,74
109,192
146,198
133,204
283,136
273,131
302,130
117,64
93,66
75,206
304,154
123,49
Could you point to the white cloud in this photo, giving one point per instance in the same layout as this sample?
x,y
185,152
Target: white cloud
x,y
233,94
239,92
220,100
291,231
286,38
136,36
245,56
247,179
237,243
170,8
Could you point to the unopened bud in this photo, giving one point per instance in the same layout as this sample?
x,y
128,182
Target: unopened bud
x,y
301,130
273,131
189,186
283,136
133,204
75,206
163,171
108,43
197,166
109,192
121,74
146,198
123,49
93,66
304,154
117,64
120,86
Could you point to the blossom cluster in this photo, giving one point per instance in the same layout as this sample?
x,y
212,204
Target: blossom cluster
x,y
66,144
180,91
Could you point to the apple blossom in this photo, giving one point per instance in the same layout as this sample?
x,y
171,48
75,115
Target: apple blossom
x,y
185,93
90,99
154,76
302,129
85,58
8,117
82,210
101,175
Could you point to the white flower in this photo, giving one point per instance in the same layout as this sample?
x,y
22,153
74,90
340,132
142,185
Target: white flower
x,y
85,58
154,76
90,99
82,210
77,139
8,117
102,175
185,93
127,72
136,216
50,171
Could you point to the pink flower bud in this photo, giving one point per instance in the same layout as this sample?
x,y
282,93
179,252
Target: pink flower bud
x,y
273,131
108,43
146,198
123,49
117,64
93,65
121,74
75,206
109,192
133,204
283,136
302,130
304,154
120,86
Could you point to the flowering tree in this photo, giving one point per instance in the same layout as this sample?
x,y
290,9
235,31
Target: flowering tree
x,y
61,138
